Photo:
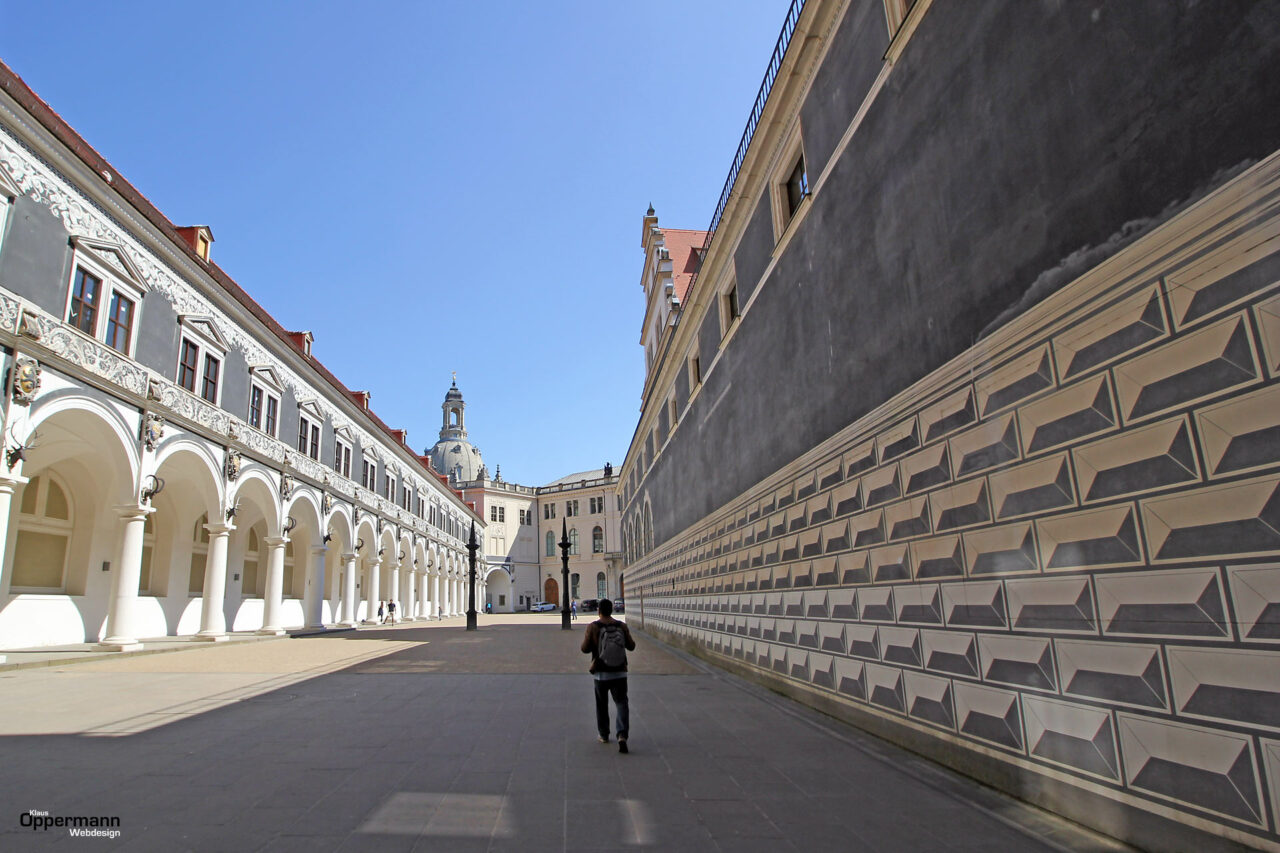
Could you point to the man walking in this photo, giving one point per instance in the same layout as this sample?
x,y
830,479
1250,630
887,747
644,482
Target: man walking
x,y
607,641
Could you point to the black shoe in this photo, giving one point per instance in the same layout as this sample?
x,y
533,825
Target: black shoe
x,y
622,745
604,738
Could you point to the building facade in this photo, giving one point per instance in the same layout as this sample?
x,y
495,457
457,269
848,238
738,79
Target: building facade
x,y
965,429
524,524
175,461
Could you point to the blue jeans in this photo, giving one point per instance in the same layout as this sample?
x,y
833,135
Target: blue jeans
x,y
618,687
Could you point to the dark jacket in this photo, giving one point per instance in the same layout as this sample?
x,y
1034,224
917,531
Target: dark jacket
x,y
592,639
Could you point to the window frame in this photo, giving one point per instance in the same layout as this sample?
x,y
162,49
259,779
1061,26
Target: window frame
x,y
263,379
785,213
122,280
199,332
342,441
369,472
309,415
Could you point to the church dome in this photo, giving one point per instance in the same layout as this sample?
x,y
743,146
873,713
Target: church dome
x,y
453,455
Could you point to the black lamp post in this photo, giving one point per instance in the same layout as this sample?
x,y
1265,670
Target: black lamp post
x,y
472,547
564,574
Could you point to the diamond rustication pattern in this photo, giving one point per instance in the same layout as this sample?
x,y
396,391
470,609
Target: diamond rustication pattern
x,y
1063,548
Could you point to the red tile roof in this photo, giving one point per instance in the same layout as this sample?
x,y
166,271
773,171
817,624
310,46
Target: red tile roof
x,y
683,246
16,88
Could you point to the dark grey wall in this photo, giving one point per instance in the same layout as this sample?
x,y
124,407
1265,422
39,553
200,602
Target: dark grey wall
x,y
158,334
842,83
36,255
1009,135
235,384
753,253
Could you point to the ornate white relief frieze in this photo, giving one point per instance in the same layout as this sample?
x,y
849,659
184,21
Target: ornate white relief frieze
x,y
10,309
94,357
186,405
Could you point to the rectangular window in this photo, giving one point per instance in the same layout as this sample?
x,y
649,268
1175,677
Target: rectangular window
x,y
85,294
120,322
695,371
369,474
187,365
390,494
273,406
571,508
308,437
797,187
493,513
502,513
342,457
209,388
255,407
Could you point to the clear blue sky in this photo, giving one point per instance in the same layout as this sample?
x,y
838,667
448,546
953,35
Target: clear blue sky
x,y
427,187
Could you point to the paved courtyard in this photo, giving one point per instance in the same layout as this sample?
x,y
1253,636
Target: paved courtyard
x,y
426,737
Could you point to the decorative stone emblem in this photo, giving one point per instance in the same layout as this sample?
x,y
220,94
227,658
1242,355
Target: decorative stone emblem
x,y
231,467
152,430
233,432
26,379
355,515
29,326
286,486
154,389
326,503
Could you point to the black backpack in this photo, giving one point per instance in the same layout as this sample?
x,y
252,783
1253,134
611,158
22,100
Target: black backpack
x,y
611,647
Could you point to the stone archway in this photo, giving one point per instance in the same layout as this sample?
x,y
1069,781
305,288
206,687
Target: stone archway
x,y
551,591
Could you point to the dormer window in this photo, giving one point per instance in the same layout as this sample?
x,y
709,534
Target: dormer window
x,y
199,238
104,294
201,352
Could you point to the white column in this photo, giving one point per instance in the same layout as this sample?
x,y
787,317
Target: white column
x,y
273,592
393,588
313,598
349,590
410,597
434,580
124,582
213,622
374,592
7,484
423,604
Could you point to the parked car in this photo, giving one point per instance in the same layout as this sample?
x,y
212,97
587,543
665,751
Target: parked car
x,y
619,606
590,605
540,606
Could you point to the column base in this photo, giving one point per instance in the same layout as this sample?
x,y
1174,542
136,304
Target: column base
x,y
211,638
349,623
269,632
120,645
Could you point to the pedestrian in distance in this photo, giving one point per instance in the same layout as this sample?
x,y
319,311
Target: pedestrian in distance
x,y
573,610
608,640
382,614
391,612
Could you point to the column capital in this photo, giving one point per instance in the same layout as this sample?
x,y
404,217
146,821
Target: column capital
x,y
219,528
9,480
276,541
128,511
348,556
319,550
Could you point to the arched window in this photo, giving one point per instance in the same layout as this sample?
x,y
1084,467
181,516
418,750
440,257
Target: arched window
x,y
601,587
199,556
573,541
551,544
573,586
44,535
597,540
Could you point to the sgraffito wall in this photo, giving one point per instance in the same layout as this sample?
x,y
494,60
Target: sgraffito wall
x,y
1054,562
